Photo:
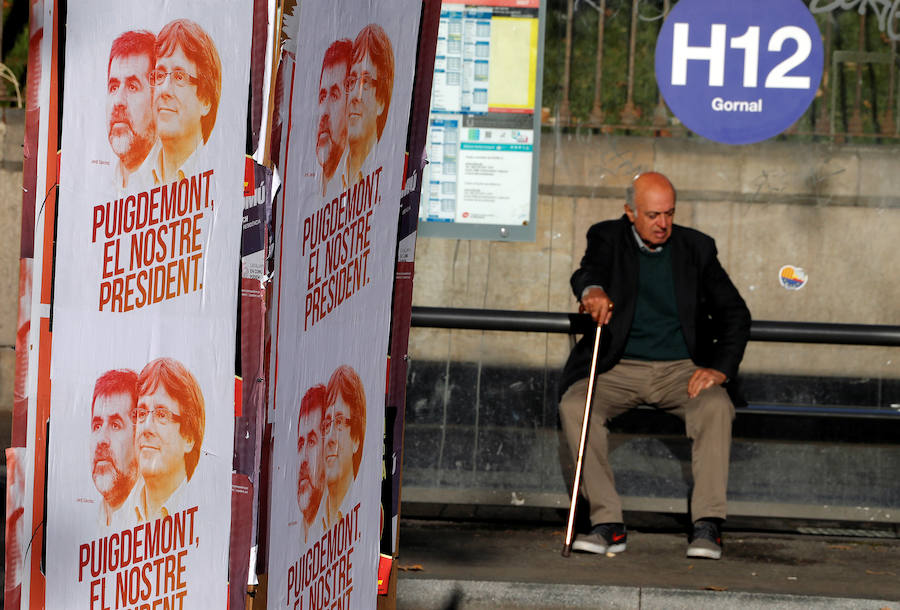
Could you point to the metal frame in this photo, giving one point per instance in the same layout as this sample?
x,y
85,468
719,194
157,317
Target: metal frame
x,y
570,323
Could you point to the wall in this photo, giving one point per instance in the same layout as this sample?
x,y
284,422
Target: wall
x,y
12,134
832,210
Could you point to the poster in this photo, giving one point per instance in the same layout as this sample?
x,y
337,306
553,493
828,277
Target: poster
x,y
249,423
403,283
338,218
15,537
482,137
145,293
31,151
32,360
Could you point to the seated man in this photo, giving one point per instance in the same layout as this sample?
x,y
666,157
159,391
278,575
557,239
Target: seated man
x,y
674,331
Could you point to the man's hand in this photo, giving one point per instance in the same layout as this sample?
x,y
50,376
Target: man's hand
x,y
704,378
597,303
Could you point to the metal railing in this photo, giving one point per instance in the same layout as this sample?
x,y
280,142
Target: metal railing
x,y
600,54
571,323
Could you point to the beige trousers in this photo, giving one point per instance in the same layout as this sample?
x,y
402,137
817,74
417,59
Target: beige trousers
x,y
662,384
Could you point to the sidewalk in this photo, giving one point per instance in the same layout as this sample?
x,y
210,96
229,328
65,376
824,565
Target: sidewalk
x,y
468,565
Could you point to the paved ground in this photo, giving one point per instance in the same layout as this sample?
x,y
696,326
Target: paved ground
x,y
446,564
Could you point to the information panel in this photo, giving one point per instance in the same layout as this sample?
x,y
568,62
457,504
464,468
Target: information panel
x,y
481,177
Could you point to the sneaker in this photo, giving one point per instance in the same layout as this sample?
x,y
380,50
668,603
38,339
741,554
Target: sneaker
x,y
604,538
706,541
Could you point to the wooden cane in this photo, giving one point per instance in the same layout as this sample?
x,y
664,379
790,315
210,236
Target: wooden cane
x,y
567,546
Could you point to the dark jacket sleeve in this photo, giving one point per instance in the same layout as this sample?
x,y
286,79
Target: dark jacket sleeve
x,y
593,271
724,318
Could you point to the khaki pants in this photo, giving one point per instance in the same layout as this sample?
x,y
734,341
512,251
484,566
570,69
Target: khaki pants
x,y
631,383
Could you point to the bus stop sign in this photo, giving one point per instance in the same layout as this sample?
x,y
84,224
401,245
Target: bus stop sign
x,y
739,71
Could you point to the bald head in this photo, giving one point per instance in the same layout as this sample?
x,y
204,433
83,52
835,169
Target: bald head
x,y
650,206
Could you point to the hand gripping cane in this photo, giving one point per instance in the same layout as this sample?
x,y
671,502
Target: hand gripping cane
x,y
567,546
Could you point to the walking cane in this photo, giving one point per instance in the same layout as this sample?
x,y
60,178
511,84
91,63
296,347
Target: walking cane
x,y
567,546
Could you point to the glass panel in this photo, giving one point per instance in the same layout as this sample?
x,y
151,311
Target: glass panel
x,y
818,203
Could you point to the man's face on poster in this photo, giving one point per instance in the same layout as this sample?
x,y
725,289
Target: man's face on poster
x,y
129,107
114,466
339,444
160,445
363,107
331,135
178,107
310,451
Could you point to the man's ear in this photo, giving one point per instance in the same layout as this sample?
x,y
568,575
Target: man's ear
x,y
629,212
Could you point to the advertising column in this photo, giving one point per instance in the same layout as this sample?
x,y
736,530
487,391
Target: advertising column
x,y
147,255
349,110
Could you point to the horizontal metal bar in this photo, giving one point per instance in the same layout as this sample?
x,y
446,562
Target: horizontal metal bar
x,y
571,323
819,411
862,57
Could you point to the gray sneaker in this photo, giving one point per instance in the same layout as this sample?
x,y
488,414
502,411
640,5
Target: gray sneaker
x,y
604,538
706,542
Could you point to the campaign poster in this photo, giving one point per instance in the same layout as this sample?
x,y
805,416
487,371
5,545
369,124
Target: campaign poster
x,y
15,537
145,300
343,174
249,423
33,338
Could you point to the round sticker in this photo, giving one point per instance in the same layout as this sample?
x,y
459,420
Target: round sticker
x,y
736,71
792,278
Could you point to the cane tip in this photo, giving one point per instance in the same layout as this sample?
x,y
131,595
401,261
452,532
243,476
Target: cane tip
x,y
566,551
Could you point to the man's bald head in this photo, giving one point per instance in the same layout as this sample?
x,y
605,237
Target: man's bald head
x,y
648,180
650,206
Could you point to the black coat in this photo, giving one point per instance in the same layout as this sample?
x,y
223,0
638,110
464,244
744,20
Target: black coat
x,y
715,320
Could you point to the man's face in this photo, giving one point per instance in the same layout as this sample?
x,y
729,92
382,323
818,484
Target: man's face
x,y
655,214
114,467
160,445
309,451
129,107
178,109
339,444
363,107
332,130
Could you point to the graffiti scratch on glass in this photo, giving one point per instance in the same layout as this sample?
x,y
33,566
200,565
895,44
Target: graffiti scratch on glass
x,y
885,10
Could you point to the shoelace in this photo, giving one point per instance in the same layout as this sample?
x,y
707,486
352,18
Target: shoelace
x,y
706,529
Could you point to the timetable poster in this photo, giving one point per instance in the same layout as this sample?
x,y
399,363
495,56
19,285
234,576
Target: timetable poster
x,y
481,143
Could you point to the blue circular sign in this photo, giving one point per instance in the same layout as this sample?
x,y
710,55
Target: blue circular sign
x,y
739,71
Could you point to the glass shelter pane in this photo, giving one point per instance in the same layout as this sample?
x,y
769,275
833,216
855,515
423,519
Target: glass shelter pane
x,y
822,198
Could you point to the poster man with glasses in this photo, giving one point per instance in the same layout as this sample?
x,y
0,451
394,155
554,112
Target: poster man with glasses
x,y
169,423
369,87
344,428
187,85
